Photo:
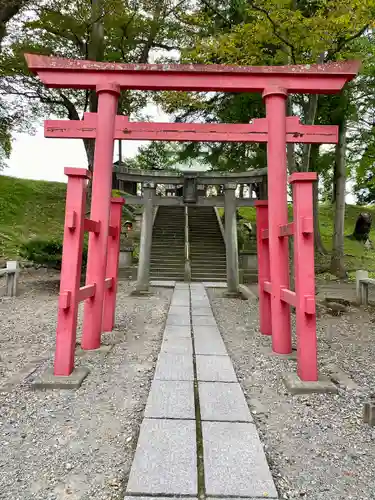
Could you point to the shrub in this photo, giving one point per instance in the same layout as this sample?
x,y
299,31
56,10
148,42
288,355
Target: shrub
x,y
46,252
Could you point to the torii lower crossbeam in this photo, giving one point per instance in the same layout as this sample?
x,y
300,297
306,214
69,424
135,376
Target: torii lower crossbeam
x,y
257,131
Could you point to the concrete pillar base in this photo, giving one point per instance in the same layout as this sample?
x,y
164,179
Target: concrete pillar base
x,y
297,386
48,380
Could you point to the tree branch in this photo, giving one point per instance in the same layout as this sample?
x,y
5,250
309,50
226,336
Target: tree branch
x,y
344,41
275,29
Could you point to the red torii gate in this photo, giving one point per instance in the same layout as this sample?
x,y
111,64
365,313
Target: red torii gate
x,y
275,83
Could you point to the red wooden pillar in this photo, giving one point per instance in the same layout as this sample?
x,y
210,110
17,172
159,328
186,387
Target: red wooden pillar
x,y
100,208
70,270
113,253
263,266
275,99
307,368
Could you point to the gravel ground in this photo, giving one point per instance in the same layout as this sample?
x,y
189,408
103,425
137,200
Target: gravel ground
x,y
74,444
317,446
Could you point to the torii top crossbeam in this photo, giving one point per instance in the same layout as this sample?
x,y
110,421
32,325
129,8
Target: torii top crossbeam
x,y
314,79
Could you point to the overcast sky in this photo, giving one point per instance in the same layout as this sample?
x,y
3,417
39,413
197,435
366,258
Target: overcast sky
x,y
35,157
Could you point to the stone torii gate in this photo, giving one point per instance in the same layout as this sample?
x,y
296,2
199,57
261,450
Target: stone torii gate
x,y
275,83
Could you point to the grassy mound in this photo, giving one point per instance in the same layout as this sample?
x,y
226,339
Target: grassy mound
x,y
29,209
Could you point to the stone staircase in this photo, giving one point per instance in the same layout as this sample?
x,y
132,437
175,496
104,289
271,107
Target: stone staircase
x,y
207,248
168,244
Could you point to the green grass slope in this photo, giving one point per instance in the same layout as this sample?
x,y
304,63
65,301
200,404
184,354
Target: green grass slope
x,y
356,256
29,209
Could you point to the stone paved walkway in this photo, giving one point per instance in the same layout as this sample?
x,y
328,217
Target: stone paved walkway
x,y
197,438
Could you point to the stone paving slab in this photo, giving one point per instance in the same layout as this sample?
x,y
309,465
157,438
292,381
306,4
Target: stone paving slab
x,y
174,367
222,401
177,345
179,311
180,301
171,399
215,369
161,498
234,461
201,311
199,294
214,284
210,344
178,320
201,331
181,293
164,284
232,498
204,321
200,303
177,332
165,459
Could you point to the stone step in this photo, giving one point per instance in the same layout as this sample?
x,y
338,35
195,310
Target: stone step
x,y
170,258
168,241
167,265
168,276
207,250
208,253
208,262
209,278
209,243
219,279
218,267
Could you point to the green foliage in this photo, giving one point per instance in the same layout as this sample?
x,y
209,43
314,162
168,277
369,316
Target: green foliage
x,y
274,32
155,156
28,210
41,251
105,30
46,252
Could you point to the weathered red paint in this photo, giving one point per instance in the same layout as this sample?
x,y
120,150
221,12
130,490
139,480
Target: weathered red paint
x,y
112,264
302,184
100,211
70,73
70,271
257,131
275,99
265,325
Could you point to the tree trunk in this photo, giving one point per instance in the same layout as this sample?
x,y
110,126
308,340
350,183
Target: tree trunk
x,y
334,183
95,52
318,244
337,259
310,119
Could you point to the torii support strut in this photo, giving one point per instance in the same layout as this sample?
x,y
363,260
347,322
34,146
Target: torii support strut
x,y
275,82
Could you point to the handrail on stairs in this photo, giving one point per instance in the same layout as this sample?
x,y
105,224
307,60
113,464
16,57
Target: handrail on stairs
x,y
187,273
